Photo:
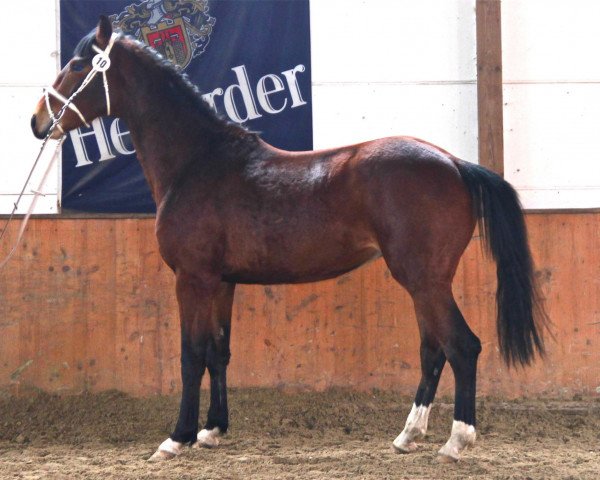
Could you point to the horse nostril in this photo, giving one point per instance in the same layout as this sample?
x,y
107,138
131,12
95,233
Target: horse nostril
x,y
33,122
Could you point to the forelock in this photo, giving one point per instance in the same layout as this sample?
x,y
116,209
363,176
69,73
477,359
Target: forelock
x,y
84,47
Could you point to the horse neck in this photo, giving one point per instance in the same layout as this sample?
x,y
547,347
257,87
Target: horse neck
x,y
167,129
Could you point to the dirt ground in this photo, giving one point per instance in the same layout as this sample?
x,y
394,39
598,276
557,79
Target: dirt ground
x,y
276,435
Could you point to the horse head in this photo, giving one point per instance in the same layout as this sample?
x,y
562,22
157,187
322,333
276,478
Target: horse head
x,y
78,95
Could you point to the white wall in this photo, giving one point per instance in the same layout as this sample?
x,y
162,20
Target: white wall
x,y
551,69
395,67
28,65
380,67
388,67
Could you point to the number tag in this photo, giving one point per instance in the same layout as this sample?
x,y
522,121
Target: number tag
x,y
101,62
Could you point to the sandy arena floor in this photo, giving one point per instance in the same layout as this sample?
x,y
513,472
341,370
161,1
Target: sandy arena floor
x,y
275,435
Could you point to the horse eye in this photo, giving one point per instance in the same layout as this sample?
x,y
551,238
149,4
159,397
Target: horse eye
x,y
76,67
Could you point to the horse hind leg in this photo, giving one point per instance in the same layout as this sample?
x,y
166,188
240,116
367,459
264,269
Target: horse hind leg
x,y
445,336
432,363
441,320
462,348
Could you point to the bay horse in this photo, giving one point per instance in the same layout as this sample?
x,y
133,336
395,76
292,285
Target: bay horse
x,y
233,209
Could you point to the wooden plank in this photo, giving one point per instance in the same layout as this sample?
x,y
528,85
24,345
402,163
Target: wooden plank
x,y
79,296
489,85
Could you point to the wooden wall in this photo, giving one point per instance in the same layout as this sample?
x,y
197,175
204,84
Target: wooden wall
x,y
88,305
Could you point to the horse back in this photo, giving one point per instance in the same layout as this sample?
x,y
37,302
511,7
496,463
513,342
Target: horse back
x,y
287,217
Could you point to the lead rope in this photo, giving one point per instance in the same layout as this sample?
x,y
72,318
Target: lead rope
x,y
100,63
36,194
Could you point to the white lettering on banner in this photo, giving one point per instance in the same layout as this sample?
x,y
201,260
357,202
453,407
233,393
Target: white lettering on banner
x,y
243,86
80,148
238,99
210,97
263,94
290,76
117,135
106,146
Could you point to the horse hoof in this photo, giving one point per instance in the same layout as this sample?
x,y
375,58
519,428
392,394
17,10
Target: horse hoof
x,y
449,453
405,448
161,456
405,442
208,438
167,450
445,458
462,437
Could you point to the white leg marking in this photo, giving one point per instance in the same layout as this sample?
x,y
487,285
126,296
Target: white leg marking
x,y
415,428
209,438
462,436
167,450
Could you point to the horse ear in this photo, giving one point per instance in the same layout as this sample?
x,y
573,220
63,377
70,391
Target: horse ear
x,y
103,31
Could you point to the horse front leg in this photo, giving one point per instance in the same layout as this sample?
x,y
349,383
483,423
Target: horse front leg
x,y
217,359
195,295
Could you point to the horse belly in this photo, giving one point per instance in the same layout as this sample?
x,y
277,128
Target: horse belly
x,y
292,263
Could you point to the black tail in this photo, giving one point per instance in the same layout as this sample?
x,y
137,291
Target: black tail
x,y
501,223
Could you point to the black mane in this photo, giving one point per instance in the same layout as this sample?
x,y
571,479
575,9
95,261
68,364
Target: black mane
x,y
181,81
176,76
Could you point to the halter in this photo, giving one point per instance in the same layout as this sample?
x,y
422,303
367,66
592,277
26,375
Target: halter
x,y
100,63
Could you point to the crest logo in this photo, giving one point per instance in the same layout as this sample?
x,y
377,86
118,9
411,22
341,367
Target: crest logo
x,y
178,29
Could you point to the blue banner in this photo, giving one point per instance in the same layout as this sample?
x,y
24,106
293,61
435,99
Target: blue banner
x,y
249,58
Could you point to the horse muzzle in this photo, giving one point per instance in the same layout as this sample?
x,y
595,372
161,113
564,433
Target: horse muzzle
x,y
41,124
39,132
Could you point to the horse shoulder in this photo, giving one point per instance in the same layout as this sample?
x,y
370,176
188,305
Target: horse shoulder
x,y
188,229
